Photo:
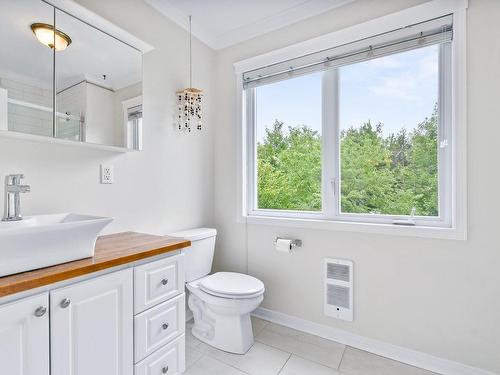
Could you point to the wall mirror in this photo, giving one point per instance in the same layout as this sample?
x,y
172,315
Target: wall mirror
x,y
88,89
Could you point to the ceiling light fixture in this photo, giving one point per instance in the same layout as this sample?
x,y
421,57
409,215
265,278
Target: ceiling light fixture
x,y
45,35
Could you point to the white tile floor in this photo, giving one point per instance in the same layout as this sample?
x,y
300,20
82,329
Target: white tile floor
x,y
284,351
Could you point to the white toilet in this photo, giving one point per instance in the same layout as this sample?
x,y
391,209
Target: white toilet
x,y
221,303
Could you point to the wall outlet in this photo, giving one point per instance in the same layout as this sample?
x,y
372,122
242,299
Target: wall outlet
x,y
107,176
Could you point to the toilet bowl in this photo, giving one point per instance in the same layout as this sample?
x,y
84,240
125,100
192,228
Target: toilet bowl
x,y
222,316
221,303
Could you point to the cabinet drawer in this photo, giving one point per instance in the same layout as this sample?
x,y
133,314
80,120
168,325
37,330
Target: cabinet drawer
x,y
158,281
158,326
168,360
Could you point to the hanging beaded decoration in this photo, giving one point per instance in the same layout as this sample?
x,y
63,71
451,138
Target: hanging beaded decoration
x,y
189,109
189,106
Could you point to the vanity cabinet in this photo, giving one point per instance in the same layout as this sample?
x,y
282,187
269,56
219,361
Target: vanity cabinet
x,y
24,336
92,326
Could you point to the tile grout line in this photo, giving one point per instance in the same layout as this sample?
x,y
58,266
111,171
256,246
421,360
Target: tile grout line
x,y
284,364
232,366
192,364
226,364
342,358
300,356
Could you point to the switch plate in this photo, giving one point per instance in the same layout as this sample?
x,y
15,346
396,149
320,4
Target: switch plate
x,y
107,175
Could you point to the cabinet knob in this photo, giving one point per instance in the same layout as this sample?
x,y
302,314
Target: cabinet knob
x,y
65,303
164,281
165,326
164,370
40,311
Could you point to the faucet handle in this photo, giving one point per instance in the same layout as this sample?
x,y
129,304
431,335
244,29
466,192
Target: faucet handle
x,y
13,179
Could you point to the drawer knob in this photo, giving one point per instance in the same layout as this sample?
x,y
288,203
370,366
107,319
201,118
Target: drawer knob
x,y
164,326
65,303
40,311
164,370
164,281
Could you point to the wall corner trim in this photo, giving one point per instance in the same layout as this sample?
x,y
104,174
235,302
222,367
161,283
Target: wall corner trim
x,y
397,353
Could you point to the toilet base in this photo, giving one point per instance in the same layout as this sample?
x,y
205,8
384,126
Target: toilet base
x,y
226,328
234,336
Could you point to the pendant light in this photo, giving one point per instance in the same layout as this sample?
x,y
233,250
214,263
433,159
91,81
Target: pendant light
x,y
189,99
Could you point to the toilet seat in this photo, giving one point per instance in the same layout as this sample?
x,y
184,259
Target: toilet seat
x,y
232,285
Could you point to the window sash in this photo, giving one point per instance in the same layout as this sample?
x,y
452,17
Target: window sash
x,y
331,156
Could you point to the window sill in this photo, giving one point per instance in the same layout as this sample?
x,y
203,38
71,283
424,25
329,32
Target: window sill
x,y
375,228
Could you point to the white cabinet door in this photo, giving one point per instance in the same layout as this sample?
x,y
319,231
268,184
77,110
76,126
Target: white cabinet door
x,y
24,336
91,326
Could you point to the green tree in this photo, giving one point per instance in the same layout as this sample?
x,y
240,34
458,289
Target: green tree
x,y
384,174
289,169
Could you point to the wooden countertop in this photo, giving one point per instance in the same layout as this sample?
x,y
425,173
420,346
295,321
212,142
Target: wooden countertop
x,y
110,251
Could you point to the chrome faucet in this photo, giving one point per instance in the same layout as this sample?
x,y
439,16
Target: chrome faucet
x,y
12,201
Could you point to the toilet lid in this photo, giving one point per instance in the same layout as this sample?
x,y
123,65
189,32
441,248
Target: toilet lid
x,y
231,284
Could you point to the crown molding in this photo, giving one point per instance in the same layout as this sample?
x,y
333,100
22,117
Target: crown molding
x,y
276,21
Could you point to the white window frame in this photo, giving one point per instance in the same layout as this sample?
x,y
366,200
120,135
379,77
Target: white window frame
x,y
452,222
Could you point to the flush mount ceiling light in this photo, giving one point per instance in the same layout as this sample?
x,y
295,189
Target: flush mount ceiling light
x,y
45,35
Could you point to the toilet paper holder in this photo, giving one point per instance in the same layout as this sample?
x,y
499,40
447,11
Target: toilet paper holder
x,y
294,242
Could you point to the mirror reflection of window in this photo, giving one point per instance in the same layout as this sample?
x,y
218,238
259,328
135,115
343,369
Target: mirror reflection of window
x,y
134,127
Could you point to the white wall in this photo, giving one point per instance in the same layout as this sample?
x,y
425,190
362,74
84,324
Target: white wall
x,y
436,296
169,185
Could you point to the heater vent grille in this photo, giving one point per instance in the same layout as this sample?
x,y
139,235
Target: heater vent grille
x,y
337,295
339,289
340,272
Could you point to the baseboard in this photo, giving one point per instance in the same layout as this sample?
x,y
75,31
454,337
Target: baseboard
x,y
397,353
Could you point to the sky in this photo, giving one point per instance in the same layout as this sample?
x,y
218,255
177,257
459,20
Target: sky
x,y
398,90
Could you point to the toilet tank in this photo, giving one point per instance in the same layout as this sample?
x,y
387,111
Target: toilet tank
x,y
198,258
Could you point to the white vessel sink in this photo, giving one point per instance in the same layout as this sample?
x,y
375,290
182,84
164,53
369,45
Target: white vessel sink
x,y
46,240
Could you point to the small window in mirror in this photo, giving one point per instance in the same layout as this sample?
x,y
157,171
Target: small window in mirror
x,y
134,127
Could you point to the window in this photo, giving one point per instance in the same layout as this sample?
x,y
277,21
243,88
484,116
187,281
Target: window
x,y
389,122
134,127
288,144
356,133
